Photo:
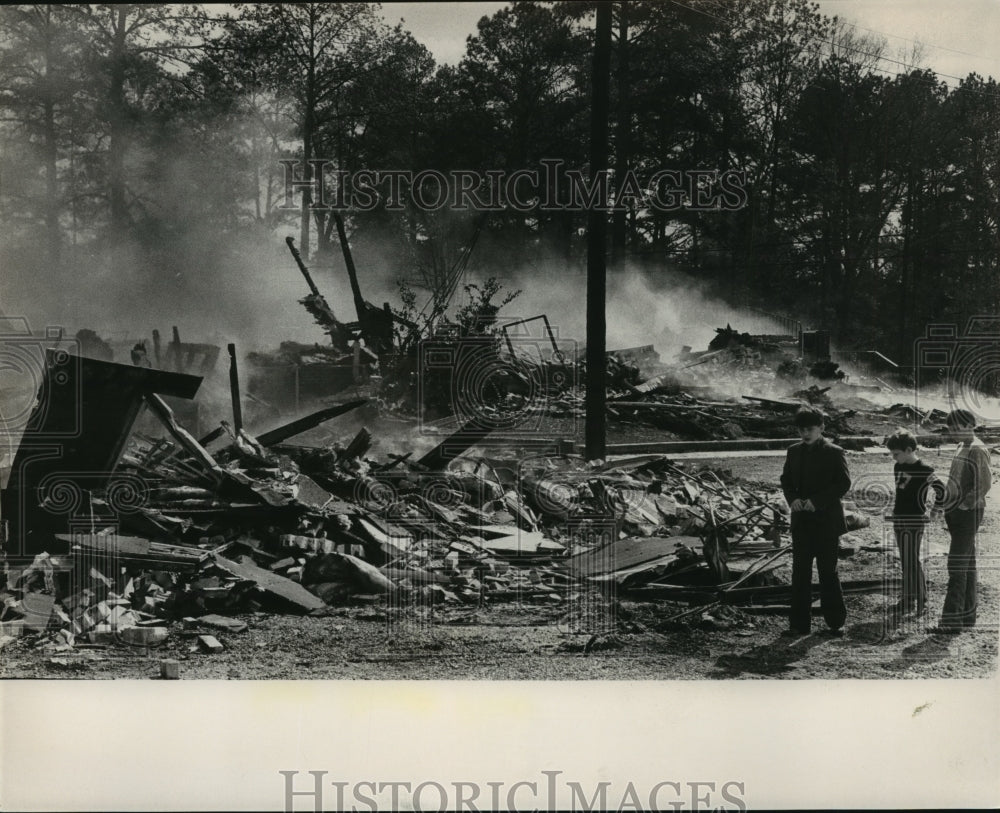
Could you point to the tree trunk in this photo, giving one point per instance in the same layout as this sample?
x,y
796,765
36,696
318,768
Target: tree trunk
x,y
623,145
906,265
53,237
117,120
308,134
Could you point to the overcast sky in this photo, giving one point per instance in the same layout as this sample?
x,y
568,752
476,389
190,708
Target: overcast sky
x,y
958,36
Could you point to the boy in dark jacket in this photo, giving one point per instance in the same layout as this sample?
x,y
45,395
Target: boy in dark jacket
x,y
915,483
814,479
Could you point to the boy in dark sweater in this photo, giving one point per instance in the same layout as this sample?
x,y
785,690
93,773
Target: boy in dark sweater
x,y
915,482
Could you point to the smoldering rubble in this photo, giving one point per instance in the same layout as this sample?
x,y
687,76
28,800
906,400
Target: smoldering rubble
x,y
148,527
199,539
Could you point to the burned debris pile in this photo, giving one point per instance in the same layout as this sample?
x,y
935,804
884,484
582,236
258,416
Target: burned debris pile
x,y
178,539
144,528
694,399
750,386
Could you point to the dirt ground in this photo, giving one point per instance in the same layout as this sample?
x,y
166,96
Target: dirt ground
x,y
556,641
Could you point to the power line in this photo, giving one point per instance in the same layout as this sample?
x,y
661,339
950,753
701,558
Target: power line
x,y
919,43
909,68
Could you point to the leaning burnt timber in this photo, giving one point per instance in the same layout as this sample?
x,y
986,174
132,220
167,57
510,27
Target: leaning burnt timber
x,y
297,427
375,324
300,374
471,432
317,305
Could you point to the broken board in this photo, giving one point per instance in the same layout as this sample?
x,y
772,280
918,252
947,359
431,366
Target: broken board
x,y
272,583
628,553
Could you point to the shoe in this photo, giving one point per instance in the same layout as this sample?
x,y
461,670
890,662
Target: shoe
x,y
945,629
834,633
793,633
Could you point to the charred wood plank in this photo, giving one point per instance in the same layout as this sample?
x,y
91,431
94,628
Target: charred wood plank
x,y
787,406
285,589
467,436
183,437
301,425
215,434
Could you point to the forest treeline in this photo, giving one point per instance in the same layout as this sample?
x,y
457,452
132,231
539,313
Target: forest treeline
x,y
142,141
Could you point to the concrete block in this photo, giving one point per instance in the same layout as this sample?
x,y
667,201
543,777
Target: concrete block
x,y
102,634
143,636
210,644
120,617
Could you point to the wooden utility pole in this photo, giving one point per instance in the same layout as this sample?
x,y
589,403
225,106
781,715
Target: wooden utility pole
x,y
597,227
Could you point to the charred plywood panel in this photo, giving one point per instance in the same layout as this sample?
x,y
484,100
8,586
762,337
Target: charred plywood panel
x,y
73,439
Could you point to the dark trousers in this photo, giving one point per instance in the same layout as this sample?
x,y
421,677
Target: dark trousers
x,y
960,598
822,546
909,537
